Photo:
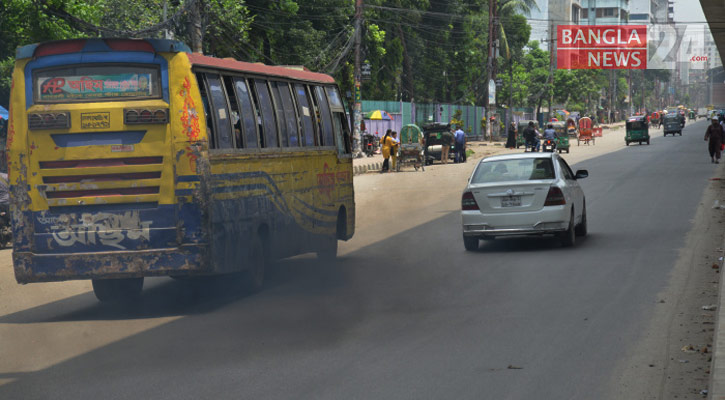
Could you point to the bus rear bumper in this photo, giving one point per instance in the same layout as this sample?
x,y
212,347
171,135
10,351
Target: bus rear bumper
x,y
182,260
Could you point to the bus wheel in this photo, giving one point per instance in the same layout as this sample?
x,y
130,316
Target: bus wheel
x,y
254,275
329,247
117,290
329,250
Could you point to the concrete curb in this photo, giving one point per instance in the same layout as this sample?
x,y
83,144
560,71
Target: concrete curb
x,y
365,168
717,367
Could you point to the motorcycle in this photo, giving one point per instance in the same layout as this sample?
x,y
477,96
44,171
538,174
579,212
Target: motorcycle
x,y
370,145
548,145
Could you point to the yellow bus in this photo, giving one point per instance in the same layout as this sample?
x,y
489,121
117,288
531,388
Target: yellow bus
x,y
131,158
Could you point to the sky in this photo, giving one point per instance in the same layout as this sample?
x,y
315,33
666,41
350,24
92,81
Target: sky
x,y
688,10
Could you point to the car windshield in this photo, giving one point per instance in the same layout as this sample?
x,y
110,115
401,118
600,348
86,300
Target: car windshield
x,y
514,170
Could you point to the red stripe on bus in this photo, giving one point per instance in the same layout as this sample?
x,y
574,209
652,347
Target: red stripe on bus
x,y
261,69
129,45
60,47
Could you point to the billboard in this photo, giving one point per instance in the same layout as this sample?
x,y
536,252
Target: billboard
x,y
601,47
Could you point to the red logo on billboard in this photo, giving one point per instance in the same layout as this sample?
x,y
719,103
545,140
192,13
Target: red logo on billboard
x,y
601,47
53,85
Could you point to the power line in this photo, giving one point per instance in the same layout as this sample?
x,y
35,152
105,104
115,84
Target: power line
x,y
92,28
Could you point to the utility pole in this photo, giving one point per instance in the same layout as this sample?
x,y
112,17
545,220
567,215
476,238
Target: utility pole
x,y
489,63
550,81
196,35
357,112
629,92
166,30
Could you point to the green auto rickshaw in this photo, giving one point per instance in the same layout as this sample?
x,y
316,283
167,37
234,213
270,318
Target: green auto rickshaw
x,y
672,123
637,130
523,124
562,137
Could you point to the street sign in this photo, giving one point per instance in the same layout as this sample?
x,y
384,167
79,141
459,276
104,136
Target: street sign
x,y
365,71
491,92
499,82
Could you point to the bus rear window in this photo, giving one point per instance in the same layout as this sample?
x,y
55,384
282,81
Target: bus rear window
x,y
96,83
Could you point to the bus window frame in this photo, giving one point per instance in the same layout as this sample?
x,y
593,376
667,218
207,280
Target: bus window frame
x,y
235,143
159,84
347,142
316,118
321,119
290,93
313,113
245,134
250,77
273,94
274,111
214,116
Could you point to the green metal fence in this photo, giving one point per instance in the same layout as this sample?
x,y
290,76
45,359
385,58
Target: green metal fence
x,y
418,113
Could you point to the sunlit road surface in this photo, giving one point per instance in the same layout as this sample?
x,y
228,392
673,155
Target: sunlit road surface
x,y
404,313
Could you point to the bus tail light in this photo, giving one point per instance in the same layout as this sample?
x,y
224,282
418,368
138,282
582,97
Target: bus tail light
x,y
132,116
56,120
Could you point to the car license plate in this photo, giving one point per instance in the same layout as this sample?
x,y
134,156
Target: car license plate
x,y
511,201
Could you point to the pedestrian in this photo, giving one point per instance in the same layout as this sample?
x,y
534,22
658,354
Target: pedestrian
x,y
460,137
446,141
714,137
531,135
511,139
386,143
394,149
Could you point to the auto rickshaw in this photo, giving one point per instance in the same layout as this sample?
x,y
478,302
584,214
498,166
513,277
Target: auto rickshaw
x,y
672,124
523,124
562,138
571,128
433,142
637,130
586,133
693,115
411,148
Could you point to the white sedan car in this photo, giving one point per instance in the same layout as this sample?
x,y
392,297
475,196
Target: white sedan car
x,y
523,194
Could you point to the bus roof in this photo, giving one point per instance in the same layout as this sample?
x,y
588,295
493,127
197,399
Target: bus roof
x,y
100,45
163,45
262,69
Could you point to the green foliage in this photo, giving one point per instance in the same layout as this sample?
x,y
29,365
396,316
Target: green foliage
x,y
456,120
421,50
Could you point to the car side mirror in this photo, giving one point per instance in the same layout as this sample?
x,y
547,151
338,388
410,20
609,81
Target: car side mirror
x,y
581,174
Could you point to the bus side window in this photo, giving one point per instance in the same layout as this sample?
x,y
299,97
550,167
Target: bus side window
x,y
268,120
290,117
207,116
220,112
303,104
233,112
248,114
325,118
279,110
342,134
339,120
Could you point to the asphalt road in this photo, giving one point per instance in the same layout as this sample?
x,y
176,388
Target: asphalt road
x,y
410,316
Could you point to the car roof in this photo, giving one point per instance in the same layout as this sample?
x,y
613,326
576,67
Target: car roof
x,y
520,156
